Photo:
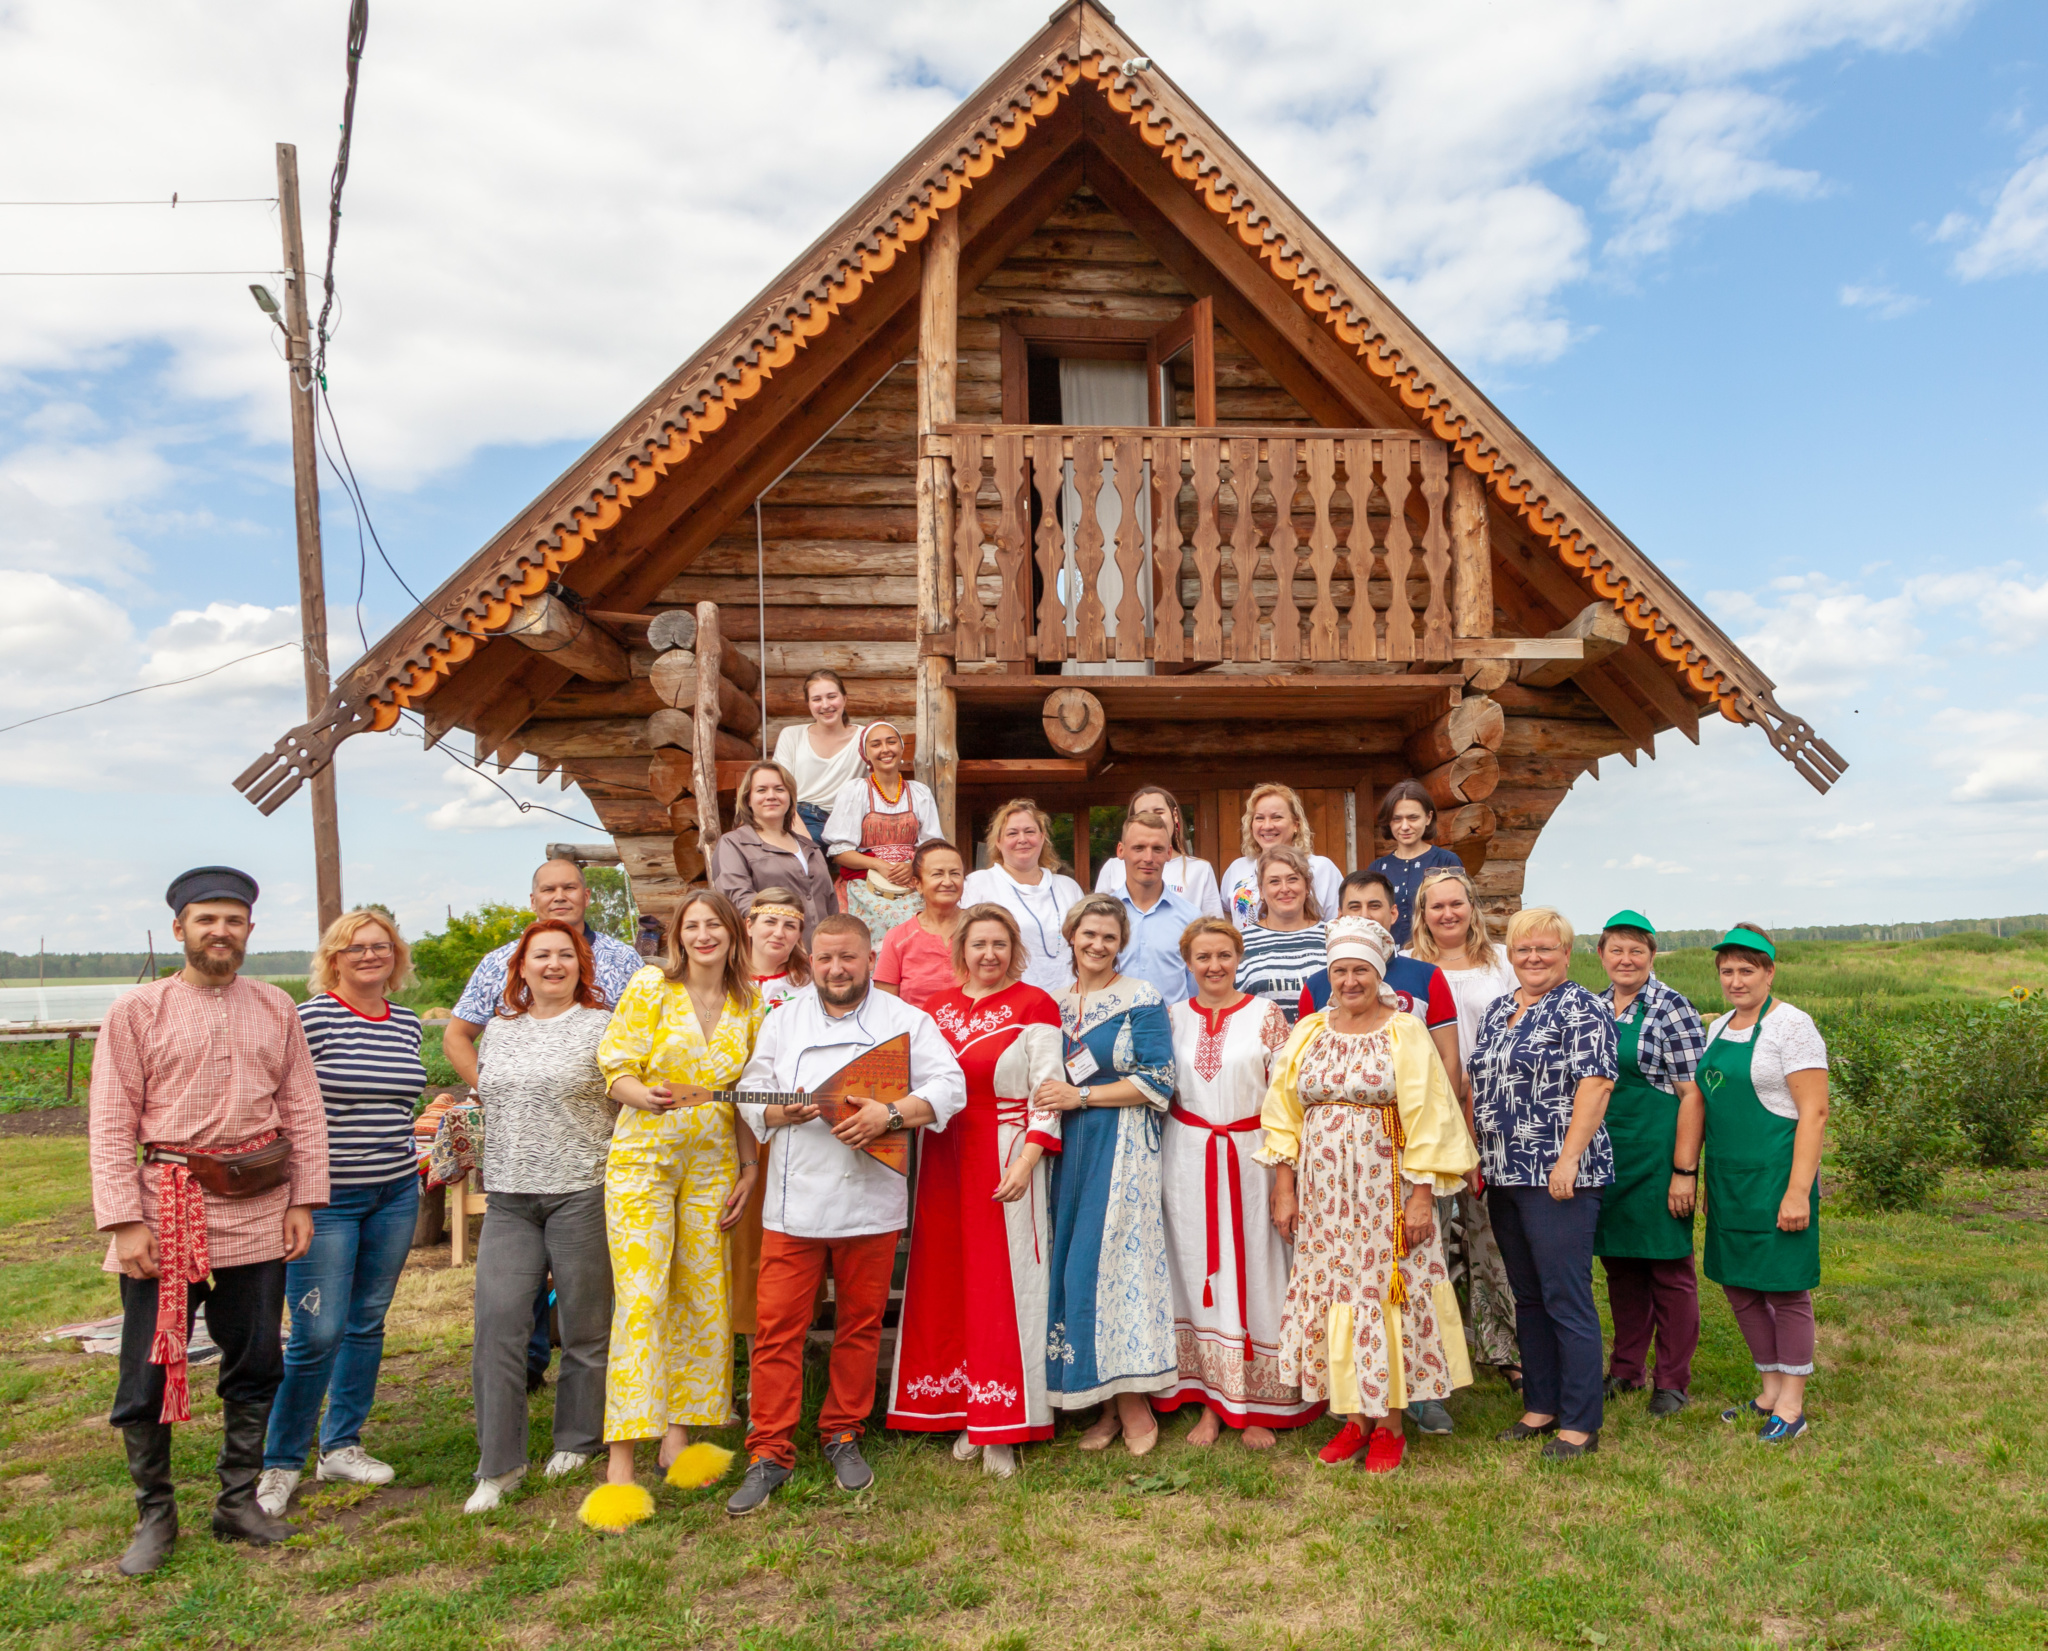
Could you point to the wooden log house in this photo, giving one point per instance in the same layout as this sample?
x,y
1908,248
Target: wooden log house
x,y
1077,445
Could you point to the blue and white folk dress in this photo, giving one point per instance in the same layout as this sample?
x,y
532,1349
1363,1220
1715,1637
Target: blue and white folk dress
x,y
1110,1312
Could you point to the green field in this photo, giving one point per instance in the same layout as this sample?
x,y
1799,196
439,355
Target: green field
x,y
1910,1517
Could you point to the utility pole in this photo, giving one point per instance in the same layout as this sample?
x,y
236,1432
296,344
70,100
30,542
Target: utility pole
x,y
306,485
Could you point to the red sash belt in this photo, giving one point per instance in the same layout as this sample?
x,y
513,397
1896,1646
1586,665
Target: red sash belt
x,y
1017,1113
181,1262
1221,1147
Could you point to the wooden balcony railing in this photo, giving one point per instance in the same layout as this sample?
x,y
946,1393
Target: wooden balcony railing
x,y
1095,545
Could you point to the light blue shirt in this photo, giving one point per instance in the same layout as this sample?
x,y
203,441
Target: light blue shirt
x,y
1153,955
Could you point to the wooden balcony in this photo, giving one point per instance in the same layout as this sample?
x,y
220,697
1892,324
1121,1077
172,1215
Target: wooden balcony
x,y
1176,548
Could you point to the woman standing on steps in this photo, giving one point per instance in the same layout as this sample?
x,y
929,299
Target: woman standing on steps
x,y
1285,946
1451,932
1274,817
1189,876
1765,1080
876,825
823,754
547,1127
1110,1299
678,1178
768,847
1654,1119
1409,817
1023,876
915,962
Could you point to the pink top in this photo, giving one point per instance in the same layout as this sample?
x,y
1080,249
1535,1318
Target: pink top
x,y
919,965
206,1068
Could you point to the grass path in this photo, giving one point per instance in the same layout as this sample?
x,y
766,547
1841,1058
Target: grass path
x,y
1913,1516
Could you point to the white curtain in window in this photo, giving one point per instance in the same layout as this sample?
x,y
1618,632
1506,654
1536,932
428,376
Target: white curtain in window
x,y
1110,393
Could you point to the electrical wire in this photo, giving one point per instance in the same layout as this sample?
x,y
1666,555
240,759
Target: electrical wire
x,y
358,32
70,274
519,803
147,687
175,201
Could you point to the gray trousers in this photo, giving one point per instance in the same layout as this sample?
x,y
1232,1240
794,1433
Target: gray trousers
x,y
526,1235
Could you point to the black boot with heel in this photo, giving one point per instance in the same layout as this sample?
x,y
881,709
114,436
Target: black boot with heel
x,y
236,1516
156,1525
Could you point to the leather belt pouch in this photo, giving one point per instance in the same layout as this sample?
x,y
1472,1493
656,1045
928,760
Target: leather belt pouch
x,y
234,1175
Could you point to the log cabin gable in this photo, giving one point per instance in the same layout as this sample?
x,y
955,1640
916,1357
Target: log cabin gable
x,y
793,467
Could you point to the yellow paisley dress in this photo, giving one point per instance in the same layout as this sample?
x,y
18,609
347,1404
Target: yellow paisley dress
x,y
666,1180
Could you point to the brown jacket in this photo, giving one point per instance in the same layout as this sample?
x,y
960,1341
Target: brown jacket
x,y
742,863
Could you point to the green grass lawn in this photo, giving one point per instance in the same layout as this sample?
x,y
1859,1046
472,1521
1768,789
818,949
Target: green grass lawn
x,y
1912,1516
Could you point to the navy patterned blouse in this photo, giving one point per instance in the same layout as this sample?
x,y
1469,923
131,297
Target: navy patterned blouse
x,y
1407,876
1523,1079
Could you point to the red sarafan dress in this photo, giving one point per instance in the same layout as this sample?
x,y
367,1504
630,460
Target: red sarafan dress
x,y
970,1348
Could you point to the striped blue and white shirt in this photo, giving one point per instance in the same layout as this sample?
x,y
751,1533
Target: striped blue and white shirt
x,y
370,1076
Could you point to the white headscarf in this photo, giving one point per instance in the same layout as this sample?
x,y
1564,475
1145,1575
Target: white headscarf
x,y
1364,941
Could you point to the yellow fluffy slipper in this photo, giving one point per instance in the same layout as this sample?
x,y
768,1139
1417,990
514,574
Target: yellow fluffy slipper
x,y
699,1465
616,1508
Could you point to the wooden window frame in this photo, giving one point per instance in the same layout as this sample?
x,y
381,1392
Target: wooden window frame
x,y
1097,338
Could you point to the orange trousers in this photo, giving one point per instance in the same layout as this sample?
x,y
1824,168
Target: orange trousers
x,y
792,1270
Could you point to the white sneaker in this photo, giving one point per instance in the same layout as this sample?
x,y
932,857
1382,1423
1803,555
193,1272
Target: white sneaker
x,y
999,1460
275,1489
563,1463
963,1449
353,1465
490,1492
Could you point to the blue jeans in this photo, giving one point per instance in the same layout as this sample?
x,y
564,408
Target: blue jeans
x,y
337,1294
814,816
1547,1248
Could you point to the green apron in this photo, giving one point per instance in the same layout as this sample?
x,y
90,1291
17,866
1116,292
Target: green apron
x,y
1748,1163
1642,1122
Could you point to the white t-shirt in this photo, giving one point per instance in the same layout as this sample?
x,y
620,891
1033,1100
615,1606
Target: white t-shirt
x,y
1790,1043
1040,911
1474,990
819,780
1192,879
1240,889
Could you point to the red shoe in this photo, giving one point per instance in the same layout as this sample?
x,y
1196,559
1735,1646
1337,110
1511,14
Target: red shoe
x,y
1383,1455
1349,1442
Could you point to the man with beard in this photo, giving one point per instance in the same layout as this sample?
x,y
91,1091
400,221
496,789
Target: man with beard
x,y
209,1076
828,1202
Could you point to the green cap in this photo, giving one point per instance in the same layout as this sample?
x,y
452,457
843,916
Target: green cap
x,y
1626,919
1748,940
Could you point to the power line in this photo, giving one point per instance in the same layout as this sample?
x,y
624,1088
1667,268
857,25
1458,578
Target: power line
x,y
146,688
74,274
521,804
358,32
176,200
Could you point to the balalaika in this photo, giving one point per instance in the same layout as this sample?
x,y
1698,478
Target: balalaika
x,y
878,1074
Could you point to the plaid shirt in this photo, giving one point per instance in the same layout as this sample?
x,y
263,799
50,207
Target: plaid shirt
x,y
1673,1040
615,963
206,1068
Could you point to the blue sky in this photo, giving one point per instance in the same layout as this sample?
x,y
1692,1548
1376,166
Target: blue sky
x,y
1765,279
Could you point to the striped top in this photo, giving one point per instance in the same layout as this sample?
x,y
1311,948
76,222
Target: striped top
x,y
1277,965
370,1078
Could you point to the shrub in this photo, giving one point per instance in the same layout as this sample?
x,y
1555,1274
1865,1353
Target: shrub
x,y
1891,1125
1993,1060
443,961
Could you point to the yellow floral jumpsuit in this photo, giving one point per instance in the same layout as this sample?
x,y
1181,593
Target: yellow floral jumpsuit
x,y
665,1184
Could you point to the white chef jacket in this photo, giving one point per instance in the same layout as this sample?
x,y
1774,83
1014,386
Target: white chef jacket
x,y
818,1186
1040,912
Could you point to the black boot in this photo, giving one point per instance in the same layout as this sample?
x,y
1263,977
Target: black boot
x,y
156,1525
236,1517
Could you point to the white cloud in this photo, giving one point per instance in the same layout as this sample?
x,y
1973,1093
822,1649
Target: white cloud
x,y
1881,301
480,805
1995,756
1704,154
1845,832
2015,614
2015,240
1649,862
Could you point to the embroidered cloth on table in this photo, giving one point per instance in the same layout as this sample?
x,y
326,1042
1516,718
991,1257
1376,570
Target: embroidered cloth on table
x,y
182,1260
1219,1146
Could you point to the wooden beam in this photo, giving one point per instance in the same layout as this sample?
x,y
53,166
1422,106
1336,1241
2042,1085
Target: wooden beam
x,y
705,747
1599,631
1469,777
1470,722
938,368
1471,555
1076,725
1212,695
551,627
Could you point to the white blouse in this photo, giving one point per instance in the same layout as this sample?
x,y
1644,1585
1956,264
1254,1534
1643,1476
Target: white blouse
x,y
819,780
1040,910
857,799
1790,1043
1240,889
1474,990
1192,879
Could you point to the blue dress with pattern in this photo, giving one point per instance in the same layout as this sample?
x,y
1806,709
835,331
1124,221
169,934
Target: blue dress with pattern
x,y
1110,1312
1523,1080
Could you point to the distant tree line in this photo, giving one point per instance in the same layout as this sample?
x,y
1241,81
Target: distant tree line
x,y
1997,927
73,965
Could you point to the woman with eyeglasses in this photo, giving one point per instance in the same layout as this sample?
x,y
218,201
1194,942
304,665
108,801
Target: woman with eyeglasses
x,y
1542,1070
366,1054
1765,1080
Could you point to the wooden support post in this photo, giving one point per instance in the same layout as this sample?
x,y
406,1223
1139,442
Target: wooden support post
x,y
548,625
1471,556
1075,724
1600,630
306,491
705,767
938,357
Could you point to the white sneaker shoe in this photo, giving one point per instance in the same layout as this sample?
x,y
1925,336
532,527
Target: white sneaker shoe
x,y
963,1449
353,1465
563,1463
490,1492
275,1489
999,1460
